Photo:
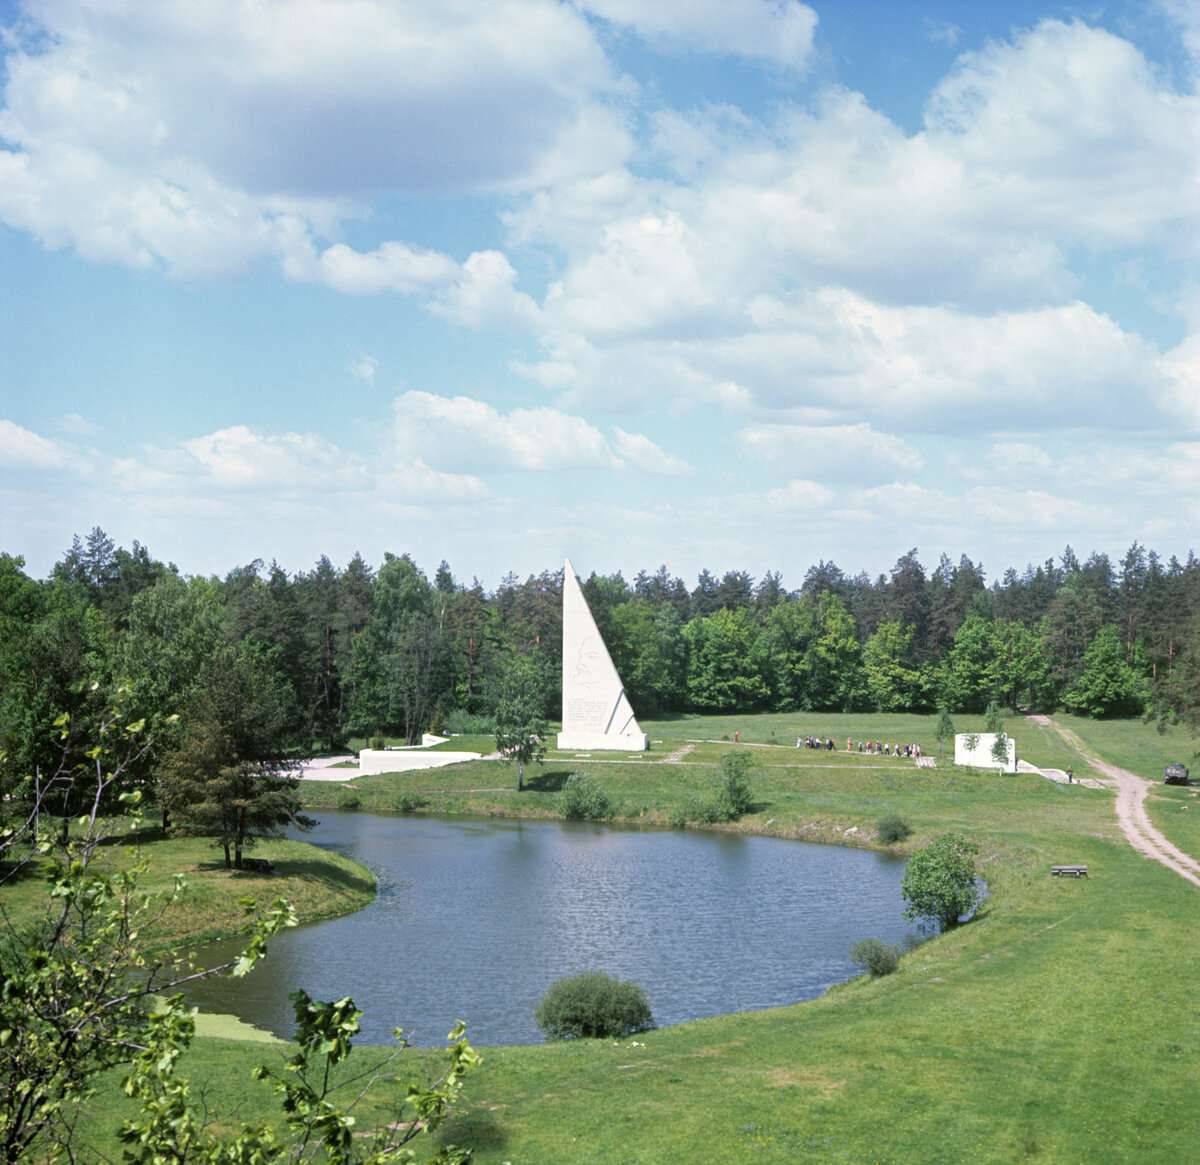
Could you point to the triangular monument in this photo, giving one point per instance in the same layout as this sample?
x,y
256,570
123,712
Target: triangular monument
x,y
596,713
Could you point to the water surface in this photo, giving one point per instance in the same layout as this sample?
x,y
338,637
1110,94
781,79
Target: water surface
x,y
475,919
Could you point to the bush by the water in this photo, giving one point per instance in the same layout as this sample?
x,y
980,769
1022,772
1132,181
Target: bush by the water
x,y
872,955
410,803
733,791
593,1005
892,829
349,799
939,882
582,799
731,796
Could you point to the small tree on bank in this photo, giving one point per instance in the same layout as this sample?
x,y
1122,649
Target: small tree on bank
x,y
520,723
939,882
227,776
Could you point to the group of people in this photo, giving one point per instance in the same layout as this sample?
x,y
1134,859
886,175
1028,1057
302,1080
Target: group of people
x,y
813,742
871,747
879,748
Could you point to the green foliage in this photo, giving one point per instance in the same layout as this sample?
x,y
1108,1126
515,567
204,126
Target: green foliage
x,y
411,802
75,989
993,718
463,723
1000,749
349,799
582,799
733,792
1108,685
874,956
378,742
945,729
593,1005
727,667
228,775
731,796
893,676
520,726
971,664
892,829
939,882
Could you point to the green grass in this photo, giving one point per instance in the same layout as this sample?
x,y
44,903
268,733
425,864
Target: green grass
x,y
1059,1026
320,884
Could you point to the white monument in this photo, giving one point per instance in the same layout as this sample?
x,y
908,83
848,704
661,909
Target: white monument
x,y
981,757
595,710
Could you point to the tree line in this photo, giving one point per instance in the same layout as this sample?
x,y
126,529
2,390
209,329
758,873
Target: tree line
x,y
320,657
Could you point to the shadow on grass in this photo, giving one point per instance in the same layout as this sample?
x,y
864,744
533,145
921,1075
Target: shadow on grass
x,y
547,782
13,873
320,872
477,1129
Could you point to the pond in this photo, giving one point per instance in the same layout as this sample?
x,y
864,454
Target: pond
x,y
475,919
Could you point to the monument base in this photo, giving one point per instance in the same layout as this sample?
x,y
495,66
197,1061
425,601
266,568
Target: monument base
x,y
599,742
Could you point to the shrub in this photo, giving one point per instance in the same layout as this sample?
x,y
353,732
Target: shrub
x,y
593,1005
733,792
437,720
874,956
939,882
892,829
378,741
348,799
681,815
410,803
582,799
463,723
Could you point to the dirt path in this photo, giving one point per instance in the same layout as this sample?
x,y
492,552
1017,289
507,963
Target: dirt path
x,y
1131,809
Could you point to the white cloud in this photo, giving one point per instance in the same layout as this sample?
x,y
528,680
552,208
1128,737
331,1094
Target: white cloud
x,y
22,449
643,454
830,452
241,459
450,432
390,267
364,367
461,432
798,495
775,30
205,137
484,296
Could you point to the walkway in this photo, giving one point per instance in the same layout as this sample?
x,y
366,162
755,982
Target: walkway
x,y
1131,809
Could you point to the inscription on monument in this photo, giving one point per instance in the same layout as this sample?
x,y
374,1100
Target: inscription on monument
x,y
587,713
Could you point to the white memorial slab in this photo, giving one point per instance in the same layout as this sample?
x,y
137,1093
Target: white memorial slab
x,y
981,757
596,712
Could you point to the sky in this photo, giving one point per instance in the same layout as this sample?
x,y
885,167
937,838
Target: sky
x,y
720,284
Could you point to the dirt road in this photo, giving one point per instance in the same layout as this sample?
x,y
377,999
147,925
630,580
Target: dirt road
x,y
1131,809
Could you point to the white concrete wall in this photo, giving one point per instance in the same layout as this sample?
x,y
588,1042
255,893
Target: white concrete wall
x,y
982,757
401,760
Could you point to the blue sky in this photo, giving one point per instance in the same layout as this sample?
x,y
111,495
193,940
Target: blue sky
x,y
726,284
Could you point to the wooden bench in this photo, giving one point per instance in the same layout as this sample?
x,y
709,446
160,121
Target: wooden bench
x,y
1073,871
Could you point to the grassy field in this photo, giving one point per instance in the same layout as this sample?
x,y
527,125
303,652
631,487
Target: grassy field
x,y
318,883
1059,1026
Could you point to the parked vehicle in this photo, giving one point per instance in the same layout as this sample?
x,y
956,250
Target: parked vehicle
x,y
1177,774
